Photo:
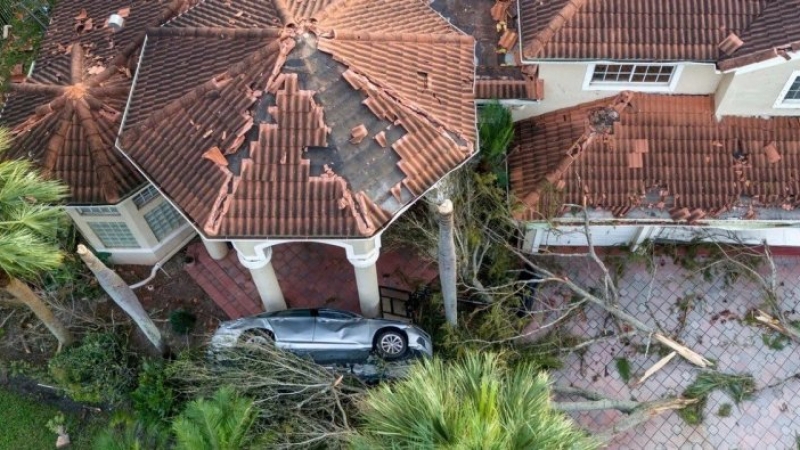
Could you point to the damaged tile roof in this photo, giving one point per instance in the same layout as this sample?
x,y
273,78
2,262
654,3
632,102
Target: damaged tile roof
x,y
649,30
66,115
643,155
327,125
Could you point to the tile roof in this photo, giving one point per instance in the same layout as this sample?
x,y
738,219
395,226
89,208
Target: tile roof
x,y
647,153
509,83
66,115
775,30
312,129
663,30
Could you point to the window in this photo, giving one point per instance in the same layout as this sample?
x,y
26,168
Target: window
x,y
144,196
648,77
98,211
163,219
331,314
114,234
790,95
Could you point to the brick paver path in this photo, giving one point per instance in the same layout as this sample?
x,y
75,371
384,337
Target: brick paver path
x,y
310,275
713,327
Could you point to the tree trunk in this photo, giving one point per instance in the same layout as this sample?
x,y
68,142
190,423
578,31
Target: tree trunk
x,y
22,292
447,262
123,296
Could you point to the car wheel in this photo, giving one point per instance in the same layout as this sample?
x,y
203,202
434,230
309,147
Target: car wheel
x,y
391,344
257,337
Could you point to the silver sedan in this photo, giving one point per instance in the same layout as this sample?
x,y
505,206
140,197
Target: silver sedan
x,y
326,331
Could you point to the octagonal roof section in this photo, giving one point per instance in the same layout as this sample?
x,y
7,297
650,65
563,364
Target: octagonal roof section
x,y
66,115
290,119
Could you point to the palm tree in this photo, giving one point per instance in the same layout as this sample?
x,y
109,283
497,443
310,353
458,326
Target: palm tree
x,y
124,297
29,222
221,423
474,403
447,262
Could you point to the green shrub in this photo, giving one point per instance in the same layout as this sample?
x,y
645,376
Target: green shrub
x,y
96,371
182,321
154,399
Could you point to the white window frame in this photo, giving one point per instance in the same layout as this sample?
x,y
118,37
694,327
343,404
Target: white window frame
x,y
96,225
589,85
781,101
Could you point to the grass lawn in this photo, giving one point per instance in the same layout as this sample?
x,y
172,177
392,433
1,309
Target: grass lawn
x,y
23,422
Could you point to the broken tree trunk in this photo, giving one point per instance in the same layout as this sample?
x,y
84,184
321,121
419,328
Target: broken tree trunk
x,y
19,290
447,262
124,297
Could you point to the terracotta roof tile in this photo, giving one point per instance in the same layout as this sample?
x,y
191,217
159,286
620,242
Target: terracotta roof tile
x,y
689,160
385,16
777,27
230,13
633,29
66,116
265,144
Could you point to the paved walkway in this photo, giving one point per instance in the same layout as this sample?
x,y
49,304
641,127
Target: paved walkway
x,y
706,313
310,275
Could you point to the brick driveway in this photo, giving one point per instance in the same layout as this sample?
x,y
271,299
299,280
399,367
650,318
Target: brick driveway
x,y
713,327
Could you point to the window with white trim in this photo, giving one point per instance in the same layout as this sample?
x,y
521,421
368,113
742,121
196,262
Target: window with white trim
x,y
654,77
98,211
114,234
790,94
163,220
145,196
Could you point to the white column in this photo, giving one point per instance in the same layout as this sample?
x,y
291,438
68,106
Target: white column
x,y
264,277
363,255
218,250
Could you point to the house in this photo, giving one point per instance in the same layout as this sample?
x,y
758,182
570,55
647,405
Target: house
x,y
667,120
66,115
251,123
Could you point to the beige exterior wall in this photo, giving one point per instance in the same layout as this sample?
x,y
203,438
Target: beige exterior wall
x,y
149,250
564,86
754,92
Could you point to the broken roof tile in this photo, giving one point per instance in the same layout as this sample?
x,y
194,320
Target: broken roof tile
x,y
273,100
700,165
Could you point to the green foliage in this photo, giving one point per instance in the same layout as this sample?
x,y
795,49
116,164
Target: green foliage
x,y
223,422
154,399
776,341
496,131
724,410
21,48
494,327
29,222
738,387
56,423
473,403
96,371
624,369
126,433
182,321
24,423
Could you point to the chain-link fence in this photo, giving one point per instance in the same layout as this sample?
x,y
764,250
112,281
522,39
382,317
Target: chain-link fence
x,y
708,311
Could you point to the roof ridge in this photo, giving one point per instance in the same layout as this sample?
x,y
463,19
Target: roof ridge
x,y
567,12
401,37
218,32
129,137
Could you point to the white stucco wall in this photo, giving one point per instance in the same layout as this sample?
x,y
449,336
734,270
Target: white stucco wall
x,y
564,86
750,92
629,235
150,250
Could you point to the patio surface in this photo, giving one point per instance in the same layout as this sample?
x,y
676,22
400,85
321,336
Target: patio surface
x,y
310,275
706,315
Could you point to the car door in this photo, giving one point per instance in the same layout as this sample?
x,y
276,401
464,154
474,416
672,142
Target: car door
x,y
293,328
341,330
